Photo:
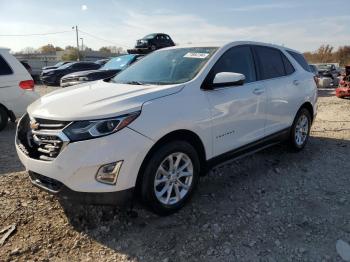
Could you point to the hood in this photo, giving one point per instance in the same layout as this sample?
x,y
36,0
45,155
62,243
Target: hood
x,y
97,100
90,72
49,67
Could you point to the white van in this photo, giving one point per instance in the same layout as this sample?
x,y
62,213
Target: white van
x,y
16,88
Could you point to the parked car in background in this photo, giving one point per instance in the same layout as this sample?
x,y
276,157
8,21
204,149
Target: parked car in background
x,y
314,70
102,62
327,70
110,69
16,88
59,64
343,90
160,123
152,42
53,76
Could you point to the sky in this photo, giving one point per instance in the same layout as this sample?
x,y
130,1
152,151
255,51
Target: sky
x,y
300,24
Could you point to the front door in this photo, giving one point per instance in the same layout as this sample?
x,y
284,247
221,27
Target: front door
x,y
238,112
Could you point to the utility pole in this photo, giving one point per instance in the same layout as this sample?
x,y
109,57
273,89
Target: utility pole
x,y
82,43
78,54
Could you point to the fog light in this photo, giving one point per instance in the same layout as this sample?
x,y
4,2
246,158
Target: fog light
x,y
108,173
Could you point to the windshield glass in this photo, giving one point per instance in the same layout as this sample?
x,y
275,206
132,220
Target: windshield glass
x,y
151,36
65,66
173,66
118,62
324,67
59,64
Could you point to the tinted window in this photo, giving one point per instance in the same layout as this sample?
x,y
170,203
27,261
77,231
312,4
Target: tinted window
x,y
270,62
236,60
287,65
5,69
301,60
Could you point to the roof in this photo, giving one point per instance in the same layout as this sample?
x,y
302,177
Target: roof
x,y
224,44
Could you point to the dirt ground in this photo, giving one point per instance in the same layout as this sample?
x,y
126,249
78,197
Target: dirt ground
x,y
271,206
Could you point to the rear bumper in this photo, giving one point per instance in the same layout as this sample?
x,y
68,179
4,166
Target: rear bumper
x,y
52,186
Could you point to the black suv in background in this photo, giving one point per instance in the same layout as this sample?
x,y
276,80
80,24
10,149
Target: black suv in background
x,y
53,76
154,41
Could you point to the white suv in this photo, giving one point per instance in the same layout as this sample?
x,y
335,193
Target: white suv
x,y
16,88
155,127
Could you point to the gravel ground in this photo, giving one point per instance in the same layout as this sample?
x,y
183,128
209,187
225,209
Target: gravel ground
x,y
272,206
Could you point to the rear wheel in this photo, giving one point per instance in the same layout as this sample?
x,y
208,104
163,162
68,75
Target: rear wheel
x,y
4,118
300,130
170,177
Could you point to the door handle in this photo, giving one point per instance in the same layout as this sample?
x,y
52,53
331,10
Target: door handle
x,y
258,91
296,82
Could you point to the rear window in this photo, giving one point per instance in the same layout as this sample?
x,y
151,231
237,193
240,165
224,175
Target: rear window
x,y
287,65
300,59
270,62
5,69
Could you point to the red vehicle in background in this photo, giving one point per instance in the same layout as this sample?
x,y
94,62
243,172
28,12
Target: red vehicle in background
x,y
343,89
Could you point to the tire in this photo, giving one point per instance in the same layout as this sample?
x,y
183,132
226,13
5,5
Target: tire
x,y
181,185
300,130
4,118
153,47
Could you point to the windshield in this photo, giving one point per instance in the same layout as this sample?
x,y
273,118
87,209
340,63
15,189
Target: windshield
x,y
173,66
118,63
324,66
59,64
151,36
65,66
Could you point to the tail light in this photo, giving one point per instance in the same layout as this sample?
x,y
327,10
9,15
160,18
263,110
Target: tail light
x,y
27,84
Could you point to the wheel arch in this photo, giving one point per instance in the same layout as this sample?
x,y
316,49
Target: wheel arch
x,y
182,134
309,107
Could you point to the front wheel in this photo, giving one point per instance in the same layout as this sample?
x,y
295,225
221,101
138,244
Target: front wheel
x,y
170,177
300,130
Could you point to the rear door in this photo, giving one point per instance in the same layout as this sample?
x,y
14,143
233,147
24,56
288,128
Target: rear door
x,y
238,112
279,78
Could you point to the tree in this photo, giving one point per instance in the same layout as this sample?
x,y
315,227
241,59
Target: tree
x,y
49,48
28,51
70,55
343,55
105,49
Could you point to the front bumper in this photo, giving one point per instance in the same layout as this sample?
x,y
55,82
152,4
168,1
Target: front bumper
x,y
77,164
48,79
55,187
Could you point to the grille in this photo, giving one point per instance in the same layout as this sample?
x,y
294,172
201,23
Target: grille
x,y
47,183
41,138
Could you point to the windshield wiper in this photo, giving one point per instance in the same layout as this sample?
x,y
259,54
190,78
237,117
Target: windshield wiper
x,y
133,83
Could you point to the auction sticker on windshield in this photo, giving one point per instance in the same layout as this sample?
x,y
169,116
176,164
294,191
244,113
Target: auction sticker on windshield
x,y
196,55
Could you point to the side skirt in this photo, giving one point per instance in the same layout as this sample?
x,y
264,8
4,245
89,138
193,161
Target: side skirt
x,y
249,149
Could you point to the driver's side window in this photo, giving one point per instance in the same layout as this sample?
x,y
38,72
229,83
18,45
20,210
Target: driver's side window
x,y
236,60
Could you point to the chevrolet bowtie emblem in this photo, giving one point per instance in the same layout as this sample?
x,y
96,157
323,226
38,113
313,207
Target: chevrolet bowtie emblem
x,y
34,125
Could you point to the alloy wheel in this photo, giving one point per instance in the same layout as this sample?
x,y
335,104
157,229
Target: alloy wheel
x,y
173,178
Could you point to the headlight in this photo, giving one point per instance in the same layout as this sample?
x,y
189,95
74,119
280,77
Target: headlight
x,y
83,130
83,78
49,73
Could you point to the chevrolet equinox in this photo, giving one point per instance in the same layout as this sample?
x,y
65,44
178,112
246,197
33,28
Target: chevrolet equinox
x,y
157,126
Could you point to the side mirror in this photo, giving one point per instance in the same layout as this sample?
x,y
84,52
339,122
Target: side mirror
x,y
228,79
